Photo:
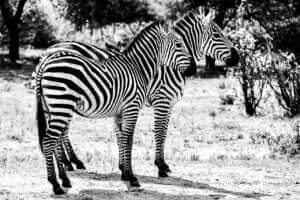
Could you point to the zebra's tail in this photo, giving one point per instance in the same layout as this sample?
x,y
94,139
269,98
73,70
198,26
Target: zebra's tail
x,y
40,111
41,121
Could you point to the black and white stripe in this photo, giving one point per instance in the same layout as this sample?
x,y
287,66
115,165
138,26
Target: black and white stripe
x,y
68,83
201,36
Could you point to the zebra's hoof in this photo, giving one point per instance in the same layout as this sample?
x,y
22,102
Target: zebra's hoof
x,y
70,168
168,170
132,188
66,189
59,191
80,166
162,166
163,174
66,184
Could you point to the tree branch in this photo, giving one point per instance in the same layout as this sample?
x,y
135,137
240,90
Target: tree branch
x,y
19,11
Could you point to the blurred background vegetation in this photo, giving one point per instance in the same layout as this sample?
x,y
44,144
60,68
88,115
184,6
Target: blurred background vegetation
x,y
266,33
40,23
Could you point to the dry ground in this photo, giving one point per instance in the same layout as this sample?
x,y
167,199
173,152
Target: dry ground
x,y
209,149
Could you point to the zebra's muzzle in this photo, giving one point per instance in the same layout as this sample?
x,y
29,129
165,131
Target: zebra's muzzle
x,y
234,58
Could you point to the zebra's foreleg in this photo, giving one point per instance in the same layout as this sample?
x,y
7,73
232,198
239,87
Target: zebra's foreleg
x,y
161,121
71,154
118,131
129,119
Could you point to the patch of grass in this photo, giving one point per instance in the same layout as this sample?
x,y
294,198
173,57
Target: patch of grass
x,y
17,138
195,157
227,99
283,144
6,87
222,85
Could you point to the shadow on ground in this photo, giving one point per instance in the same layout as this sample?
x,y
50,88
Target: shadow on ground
x,y
101,194
171,181
144,195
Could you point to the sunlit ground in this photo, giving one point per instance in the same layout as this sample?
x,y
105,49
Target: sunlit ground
x,y
214,151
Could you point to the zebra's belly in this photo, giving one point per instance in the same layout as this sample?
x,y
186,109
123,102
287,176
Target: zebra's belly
x,y
100,110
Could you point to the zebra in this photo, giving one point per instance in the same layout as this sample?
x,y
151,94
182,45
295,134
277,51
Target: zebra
x,y
68,83
201,36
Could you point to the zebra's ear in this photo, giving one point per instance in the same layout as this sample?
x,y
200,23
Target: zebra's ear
x,y
210,16
201,13
206,18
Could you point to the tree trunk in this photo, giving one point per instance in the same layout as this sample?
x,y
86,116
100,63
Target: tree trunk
x,y
14,33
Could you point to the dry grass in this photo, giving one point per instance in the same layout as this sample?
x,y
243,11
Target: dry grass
x,y
209,147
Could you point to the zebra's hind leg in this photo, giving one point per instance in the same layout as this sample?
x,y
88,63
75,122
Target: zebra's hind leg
x,y
72,156
66,183
125,139
52,140
49,145
65,160
161,121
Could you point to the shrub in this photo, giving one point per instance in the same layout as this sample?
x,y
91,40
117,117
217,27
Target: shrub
x,y
254,43
283,144
285,82
227,99
252,71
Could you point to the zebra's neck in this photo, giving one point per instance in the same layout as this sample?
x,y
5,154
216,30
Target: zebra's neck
x,y
190,29
142,52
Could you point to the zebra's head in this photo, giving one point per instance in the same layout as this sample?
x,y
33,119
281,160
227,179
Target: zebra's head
x,y
204,37
214,43
172,51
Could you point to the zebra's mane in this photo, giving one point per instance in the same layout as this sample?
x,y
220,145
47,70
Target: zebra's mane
x,y
141,34
191,13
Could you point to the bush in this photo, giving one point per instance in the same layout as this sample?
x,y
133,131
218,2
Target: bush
x,y
227,99
285,81
254,43
283,144
252,69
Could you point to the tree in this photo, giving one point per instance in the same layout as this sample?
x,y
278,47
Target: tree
x,y
95,13
281,19
13,22
253,43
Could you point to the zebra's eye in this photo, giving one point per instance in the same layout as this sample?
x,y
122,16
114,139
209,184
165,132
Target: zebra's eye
x,y
216,35
178,45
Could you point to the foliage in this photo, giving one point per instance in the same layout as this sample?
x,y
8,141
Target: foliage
x,y
285,82
11,16
225,9
97,13
280,18
261,63
253,43
227,99
284,144
37,31
35,27
116,35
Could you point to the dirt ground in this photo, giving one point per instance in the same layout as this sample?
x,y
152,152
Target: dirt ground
x,y
209,149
